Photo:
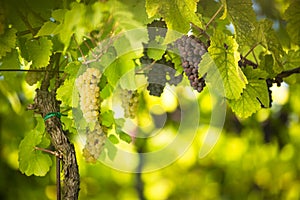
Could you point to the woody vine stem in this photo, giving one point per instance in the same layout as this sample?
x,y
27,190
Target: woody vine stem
x,y
45,102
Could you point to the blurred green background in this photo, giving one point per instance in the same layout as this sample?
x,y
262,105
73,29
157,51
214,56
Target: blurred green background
x,y
256,158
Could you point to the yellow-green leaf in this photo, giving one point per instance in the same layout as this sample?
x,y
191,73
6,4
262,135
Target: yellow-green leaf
x,y
254,95
221,65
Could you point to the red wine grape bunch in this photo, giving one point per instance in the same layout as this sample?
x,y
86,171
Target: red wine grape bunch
x,y
191,51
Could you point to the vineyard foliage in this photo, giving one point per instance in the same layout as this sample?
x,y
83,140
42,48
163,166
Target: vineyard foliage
x,y
244,52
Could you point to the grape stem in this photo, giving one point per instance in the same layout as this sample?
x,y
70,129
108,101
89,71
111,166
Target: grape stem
x,y
201,31
55,153
213,17
80,50
145,68
287,73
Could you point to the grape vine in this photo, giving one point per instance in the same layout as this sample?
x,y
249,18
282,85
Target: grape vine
x,y
51,41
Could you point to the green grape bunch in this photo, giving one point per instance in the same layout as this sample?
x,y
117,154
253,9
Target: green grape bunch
x,y
95,141
130,102
89,92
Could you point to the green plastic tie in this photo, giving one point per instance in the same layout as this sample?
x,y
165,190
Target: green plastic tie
x,y
53,114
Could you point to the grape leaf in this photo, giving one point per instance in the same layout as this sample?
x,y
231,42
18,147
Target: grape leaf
x,y
65,91
32,161
243,18
223,63
78,21
292,16
178,14
52,27
7,41
11,60
267,63
72,24
119,67
106,91
265,34
128,81
113,139
291,60
254,95
125,15
107,118
123,136
39,51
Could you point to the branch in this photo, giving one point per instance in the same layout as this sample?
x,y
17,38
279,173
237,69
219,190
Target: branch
x,y
45,102
279,78
287,73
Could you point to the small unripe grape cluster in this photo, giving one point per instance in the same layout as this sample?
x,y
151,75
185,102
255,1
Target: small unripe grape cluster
x,y
95,141
130,102
89,92
191,51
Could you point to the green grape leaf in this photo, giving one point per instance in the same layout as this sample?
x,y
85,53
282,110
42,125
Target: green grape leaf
x,y
254,95
107,118
119,67
39,51
177,14
32,161
222,65
267,63
65,91
291,60
106,91
11,60
265,34
7,41
292,16
113,139
243,18
127,81
123,136
52,27
78,21
73,24
120,122
126,14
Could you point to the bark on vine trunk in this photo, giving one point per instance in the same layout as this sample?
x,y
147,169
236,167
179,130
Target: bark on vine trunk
x,y
45,102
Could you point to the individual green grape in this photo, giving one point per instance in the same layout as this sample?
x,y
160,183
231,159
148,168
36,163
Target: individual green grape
x,y
95,141
89,92
130,102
